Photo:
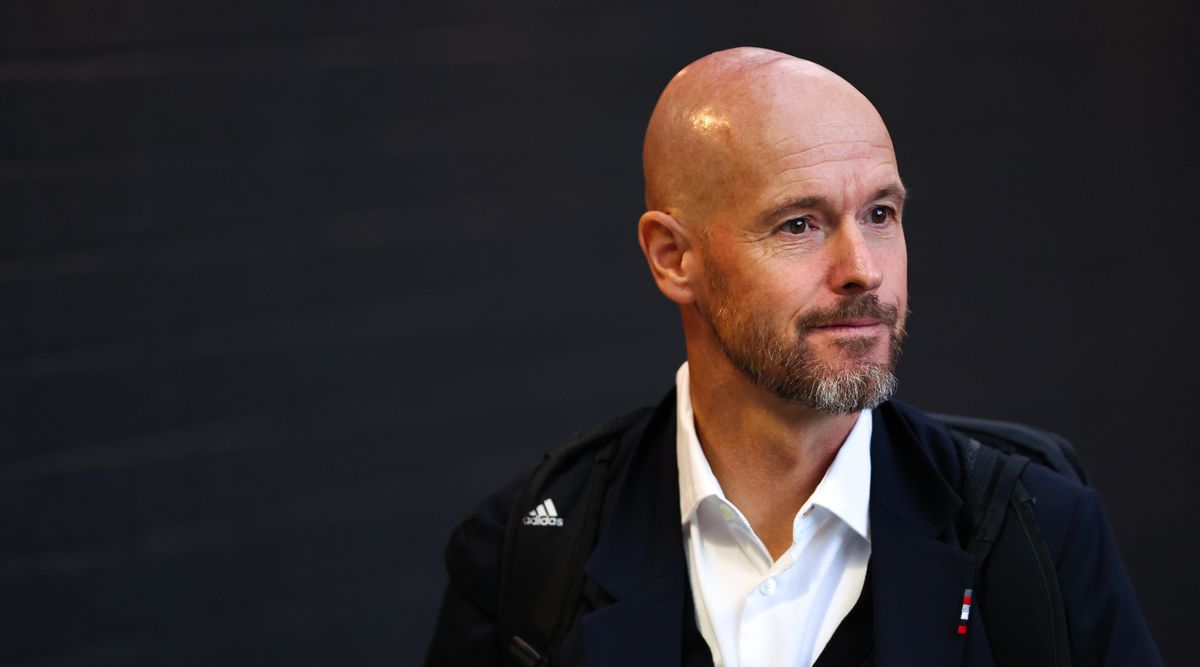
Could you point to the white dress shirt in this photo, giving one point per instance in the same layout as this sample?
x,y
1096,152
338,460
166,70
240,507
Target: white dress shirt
x,y
755,612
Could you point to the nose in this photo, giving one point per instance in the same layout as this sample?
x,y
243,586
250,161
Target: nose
x,y
853,266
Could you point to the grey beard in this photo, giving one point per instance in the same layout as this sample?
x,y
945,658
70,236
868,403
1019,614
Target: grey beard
x,y
788,371
848,391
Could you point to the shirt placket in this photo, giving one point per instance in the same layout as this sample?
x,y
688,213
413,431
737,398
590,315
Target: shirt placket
x,y
757,644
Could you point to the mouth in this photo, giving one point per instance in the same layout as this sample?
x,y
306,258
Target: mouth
x,y
852,325
860,318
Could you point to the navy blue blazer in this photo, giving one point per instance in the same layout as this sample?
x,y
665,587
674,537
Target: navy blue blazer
x,y
918,568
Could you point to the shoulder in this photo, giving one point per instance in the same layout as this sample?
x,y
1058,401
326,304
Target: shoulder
x,y
489,551
1058,499
474,554
1058,504
1104,623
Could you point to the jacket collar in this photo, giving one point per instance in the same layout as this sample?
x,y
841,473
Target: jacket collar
x,y
919,572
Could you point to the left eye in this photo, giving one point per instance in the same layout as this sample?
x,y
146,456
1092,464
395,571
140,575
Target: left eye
x,y
796,226
879,214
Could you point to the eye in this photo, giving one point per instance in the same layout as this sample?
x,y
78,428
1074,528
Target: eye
x,y
795,226
879,215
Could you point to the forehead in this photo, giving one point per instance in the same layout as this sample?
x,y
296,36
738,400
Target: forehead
x,y
838,154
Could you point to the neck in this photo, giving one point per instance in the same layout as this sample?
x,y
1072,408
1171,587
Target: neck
x,y
768,454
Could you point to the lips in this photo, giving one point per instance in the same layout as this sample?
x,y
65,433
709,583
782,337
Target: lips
x,y
851,322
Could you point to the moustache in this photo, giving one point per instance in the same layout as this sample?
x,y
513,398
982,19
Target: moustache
x,y
863,306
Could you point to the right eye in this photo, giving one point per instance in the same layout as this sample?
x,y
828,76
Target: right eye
x,y
795,226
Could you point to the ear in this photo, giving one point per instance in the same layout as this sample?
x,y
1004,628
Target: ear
x,y
671,255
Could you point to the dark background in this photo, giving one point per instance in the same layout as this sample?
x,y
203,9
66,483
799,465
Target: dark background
x,y
287,287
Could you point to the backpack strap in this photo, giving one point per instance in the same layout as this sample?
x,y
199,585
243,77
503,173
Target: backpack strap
x,y
1037,620
1020,594
988,480
541,571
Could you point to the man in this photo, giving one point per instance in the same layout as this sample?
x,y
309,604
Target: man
x,y
777,508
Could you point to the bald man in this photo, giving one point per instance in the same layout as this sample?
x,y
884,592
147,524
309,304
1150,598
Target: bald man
x,y
777,508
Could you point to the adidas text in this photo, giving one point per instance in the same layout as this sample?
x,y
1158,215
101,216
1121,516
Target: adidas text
x,y
545,514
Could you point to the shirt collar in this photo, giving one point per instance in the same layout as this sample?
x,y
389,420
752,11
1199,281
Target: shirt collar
x,y
696,478
845,490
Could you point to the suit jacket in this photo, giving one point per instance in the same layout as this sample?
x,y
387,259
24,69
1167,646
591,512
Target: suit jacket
x,y
640,614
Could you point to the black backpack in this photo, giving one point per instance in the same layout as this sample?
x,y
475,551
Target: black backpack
x,y
996,523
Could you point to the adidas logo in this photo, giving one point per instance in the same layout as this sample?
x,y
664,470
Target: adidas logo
x,y
544,514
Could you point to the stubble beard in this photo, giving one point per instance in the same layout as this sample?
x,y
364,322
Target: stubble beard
x,y
791,370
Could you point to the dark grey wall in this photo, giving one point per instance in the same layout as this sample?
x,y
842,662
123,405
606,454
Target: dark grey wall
x,y
288,287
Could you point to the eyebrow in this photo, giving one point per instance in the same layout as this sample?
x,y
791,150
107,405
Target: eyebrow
x,y
891,191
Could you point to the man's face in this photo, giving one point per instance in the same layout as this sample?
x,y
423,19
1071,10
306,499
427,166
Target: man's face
x,y
806,265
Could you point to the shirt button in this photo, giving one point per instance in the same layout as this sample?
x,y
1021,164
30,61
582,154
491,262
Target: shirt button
x,y
727,512
767,587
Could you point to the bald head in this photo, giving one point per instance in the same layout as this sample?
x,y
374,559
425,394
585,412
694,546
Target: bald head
x,y
721,116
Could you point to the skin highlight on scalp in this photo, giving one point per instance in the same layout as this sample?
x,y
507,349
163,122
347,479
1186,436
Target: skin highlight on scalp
x,y
718,111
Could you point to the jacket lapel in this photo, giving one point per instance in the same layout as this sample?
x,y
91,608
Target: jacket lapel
x,y
919,571
639,560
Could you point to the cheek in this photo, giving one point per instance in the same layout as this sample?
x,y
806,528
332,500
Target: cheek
x,y
795,301
899,290
896,271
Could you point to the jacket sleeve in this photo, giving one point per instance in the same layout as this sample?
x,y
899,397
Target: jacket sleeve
x,y
1105,625
467,630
